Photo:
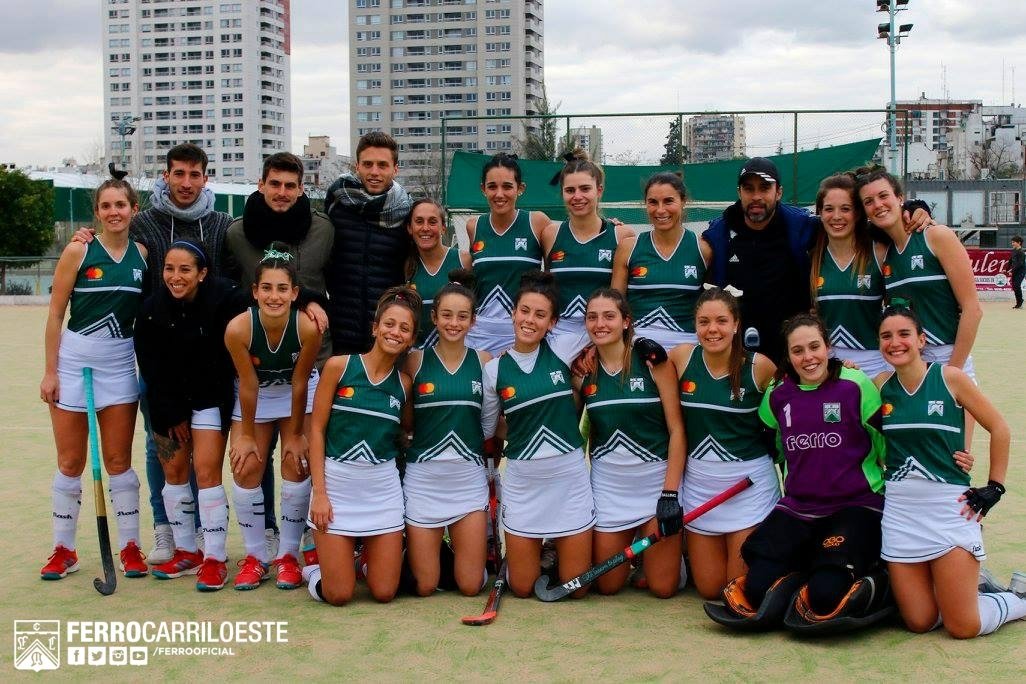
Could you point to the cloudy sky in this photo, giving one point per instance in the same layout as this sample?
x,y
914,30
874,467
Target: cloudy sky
x,y
603,56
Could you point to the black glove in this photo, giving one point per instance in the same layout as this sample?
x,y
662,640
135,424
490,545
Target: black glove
x,y
982,499
669,513
649,350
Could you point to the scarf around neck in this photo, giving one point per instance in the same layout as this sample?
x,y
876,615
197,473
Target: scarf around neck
x,y
387,210
262,225
160,199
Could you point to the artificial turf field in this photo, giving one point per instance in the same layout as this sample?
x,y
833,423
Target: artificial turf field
x,y
631,637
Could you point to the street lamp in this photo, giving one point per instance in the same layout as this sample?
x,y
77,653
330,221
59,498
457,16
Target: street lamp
x,y
124,126
893,35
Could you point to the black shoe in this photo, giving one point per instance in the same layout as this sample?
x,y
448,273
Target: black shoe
x,y
1017,306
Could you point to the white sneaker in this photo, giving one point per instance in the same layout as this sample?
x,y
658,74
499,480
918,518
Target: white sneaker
x,y
163,545
271,540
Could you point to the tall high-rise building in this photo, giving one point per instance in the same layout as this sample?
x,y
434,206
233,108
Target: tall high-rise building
x,y
411,62
209,72
714,137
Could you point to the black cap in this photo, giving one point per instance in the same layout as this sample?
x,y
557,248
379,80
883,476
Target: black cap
x,y
761,167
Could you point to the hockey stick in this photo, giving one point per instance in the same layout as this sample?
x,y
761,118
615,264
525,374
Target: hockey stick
x,y
546,593
495,596
109,583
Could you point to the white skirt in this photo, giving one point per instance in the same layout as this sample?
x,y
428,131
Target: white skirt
x,y
493,335
366,498
705,479
667,338
921,522
625,495
568,337
274,402
113,363
869,361
438,493
206,419
547,497
941,353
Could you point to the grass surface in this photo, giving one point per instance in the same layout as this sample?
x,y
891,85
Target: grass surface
x,y
629,637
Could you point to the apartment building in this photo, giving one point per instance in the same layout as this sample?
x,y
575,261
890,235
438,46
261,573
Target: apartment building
x,y
714,137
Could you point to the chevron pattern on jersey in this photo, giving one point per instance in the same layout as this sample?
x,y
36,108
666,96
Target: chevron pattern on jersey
x,y
931,338
107,326
711,450
576,308
618,441
658,318
546,438
451,441
840,337
913,468
499,297
360,451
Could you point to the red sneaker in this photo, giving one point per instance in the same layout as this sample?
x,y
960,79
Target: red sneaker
x,y
252,573
182,563
287,572
62,561
133,563
212,575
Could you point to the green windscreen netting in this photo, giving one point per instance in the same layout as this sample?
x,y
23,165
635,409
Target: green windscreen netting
x,y
709,183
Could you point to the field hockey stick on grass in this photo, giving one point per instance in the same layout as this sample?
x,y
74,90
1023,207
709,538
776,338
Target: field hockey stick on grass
x,y
546,593
498,587
109,583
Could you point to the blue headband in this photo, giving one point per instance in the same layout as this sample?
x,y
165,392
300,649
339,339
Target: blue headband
x,y
201,259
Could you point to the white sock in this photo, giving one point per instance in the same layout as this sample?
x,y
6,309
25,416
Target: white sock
x,y
213,510
312,575
181,508
997,609
249,511
67,501
295,502
124,499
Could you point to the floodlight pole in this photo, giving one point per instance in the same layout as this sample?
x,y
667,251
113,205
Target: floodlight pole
x,y
125,126
893,34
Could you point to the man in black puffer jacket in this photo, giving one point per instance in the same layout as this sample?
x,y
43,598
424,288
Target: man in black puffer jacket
x,y
368,210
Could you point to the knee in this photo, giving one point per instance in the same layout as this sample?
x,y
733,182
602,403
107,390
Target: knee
x,y
469,589
336,596
521,588
664,590
425,588
610,585
383,594
962,631
920,624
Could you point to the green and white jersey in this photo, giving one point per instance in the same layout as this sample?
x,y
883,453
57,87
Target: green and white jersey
x,y
923,429
364,421
500,260
541,418
849,302
447,410
427,285
107,293
627,419
274,366
581,267
719,425
914,273
662,292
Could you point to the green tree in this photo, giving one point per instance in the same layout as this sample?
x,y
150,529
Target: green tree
x,y
541,137
675,153
26,219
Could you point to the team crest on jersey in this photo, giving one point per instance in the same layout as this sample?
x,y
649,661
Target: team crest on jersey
x,y
605,255
475,387
557,377
831,412
739,395
935,408
295,357
917,261
691,272
557,256
393,402
520,244
94,273
137,275
733,234
864,281
637,384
